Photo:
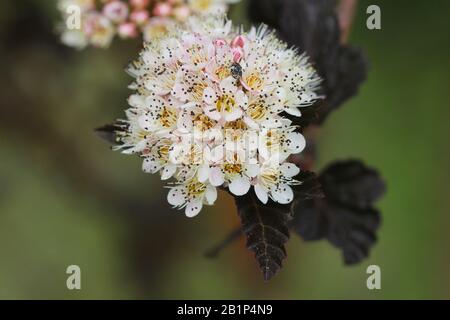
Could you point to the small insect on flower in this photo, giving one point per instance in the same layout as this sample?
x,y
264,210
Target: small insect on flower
x,y
208,111
236,70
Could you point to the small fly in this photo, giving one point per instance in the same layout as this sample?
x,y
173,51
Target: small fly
x,y
236,70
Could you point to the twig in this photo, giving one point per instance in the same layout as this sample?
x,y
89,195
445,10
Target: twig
x,y
346,13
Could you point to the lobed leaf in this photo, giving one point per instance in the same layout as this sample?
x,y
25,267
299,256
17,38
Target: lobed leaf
x,y
345,216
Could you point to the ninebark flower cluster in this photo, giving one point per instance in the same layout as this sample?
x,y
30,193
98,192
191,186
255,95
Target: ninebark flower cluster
x,y
102,20
209,107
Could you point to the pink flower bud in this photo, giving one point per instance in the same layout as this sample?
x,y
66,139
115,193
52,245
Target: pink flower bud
x,y
116,11
181,13
239,41
220,42
90,23
238,53
162,9
127,30
139,17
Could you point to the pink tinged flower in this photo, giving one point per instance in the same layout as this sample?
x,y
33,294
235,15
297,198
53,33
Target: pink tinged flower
x,y
127,30
139,17
192,196
90,23
162,9
181,13
116,11
226,105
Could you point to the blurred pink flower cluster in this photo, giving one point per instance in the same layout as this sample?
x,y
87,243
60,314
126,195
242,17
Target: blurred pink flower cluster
x,y
101,20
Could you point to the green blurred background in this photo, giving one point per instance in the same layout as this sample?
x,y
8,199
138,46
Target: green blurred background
x,y
65,198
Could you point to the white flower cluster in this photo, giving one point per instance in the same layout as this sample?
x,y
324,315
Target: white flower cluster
x,y
209,111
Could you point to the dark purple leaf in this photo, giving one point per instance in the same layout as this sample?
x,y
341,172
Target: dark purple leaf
x,y
266,229
266,226
346,216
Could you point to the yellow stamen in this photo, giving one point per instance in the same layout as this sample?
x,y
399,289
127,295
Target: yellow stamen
x,y
225,103
257,111
254,81
168,117
222,73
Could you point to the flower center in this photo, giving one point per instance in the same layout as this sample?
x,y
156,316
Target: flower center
x,y
163,152
269,177
203,122
257,111
225,103
222,73
274,139
195,189
168,117
197,55
236,125
232,168
254,81
197,91
195,155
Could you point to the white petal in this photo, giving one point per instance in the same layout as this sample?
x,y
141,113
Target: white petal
x,y
193,208
213,114
289,170
139,147
136,101
261,194
184,123
281,94
293,111
145,123
168,171
283,194
252,170
298,142
239,186
216,154
209,96
176,196
150,165
228,85
203,173
210,195
216,177
251,123
241,99
234,115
